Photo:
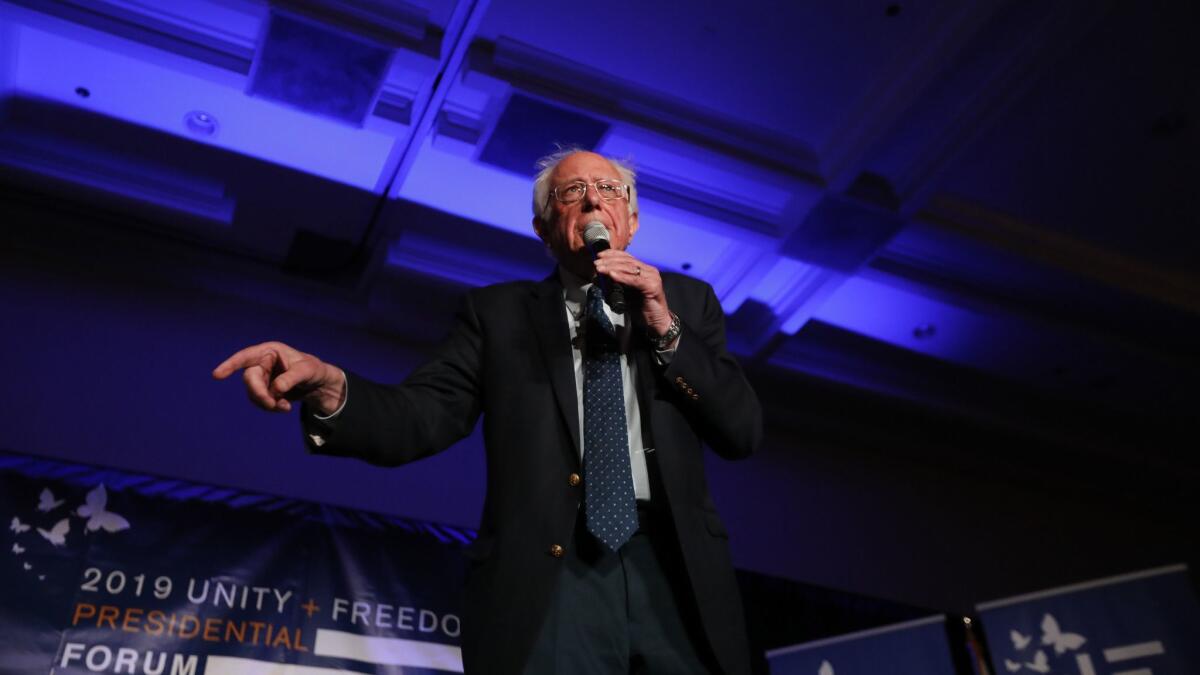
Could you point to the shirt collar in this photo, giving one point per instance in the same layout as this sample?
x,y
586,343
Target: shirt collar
x,y
575,287
575,290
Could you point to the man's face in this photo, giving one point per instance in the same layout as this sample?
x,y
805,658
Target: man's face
x,y
563,231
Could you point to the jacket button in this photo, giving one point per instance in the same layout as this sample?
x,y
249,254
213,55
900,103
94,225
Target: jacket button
x,y
574,480
557,551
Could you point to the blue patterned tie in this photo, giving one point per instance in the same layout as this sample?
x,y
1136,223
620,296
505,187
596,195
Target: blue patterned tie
x,y
607,478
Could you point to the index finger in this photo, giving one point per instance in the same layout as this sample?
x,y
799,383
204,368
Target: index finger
x,y
261,354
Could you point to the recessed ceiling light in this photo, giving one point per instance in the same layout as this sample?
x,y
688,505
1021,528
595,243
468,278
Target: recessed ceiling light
x,y
201,123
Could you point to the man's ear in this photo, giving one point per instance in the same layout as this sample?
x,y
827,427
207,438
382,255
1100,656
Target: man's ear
x,y
633,225
537,228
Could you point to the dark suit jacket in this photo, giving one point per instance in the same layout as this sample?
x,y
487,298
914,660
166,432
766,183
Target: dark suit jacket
x,y
508,357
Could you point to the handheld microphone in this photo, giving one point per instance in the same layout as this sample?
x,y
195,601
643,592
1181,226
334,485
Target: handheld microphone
x,y
595,235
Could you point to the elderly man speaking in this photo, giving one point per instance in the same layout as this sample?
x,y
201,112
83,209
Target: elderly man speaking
x,y
600,550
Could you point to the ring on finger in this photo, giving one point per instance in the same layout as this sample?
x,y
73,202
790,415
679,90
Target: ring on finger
x,y
637,271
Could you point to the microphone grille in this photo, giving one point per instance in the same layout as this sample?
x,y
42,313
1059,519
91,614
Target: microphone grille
x,y
595,231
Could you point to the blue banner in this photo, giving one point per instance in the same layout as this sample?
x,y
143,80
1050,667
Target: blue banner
x,y
1138,624
104,571
918,647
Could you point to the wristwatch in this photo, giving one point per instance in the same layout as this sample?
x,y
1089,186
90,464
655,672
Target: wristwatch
x,y
663,342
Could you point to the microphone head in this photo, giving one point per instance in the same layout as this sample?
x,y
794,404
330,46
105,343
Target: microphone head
x,y
595,231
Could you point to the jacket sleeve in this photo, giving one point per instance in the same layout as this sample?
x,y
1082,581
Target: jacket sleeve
x,y
708,382
437,405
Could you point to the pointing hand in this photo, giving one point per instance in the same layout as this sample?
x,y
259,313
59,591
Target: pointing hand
x,y
276,374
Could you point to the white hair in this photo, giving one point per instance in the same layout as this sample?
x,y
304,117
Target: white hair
x,y
546,166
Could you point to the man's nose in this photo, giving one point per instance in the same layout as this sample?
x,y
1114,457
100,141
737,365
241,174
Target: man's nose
x,y
591,195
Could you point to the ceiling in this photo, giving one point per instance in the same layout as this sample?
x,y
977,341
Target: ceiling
x,y
985,208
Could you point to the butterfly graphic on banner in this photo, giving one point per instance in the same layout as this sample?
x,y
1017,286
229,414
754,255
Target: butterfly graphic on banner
x,y
98,517
56,532
57,535
1039,661
47,502
1062,643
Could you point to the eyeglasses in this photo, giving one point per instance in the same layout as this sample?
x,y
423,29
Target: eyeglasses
x,y
609,190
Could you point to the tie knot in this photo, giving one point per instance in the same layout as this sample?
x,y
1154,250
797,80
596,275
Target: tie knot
x,y
595,309
594,295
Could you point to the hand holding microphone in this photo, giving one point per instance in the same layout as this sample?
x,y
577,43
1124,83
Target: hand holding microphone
x,y
595,235
618,272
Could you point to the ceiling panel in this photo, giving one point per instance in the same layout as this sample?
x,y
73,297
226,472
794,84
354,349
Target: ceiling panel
x,y
794,68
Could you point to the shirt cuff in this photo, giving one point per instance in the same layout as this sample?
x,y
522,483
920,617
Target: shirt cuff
x,y
664,356
345,397
318,439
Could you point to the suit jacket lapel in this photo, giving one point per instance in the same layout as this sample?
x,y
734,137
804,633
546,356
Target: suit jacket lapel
x,y
548,317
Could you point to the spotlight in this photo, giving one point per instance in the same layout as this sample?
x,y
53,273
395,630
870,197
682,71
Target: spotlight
x,y
201,123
